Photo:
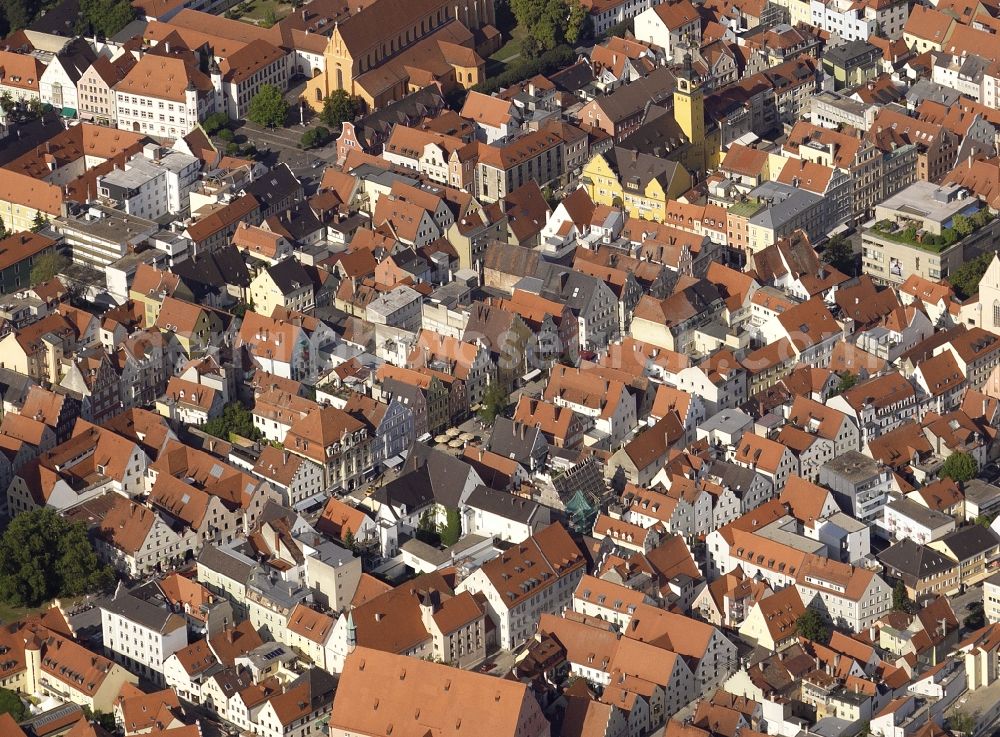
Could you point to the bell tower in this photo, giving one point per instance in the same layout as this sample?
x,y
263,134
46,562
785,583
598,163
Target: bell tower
x,y
689,112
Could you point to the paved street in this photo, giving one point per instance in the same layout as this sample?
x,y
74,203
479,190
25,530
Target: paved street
x,y
961,603
283,144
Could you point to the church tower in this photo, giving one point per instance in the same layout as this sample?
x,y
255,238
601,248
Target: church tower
x,y
689,112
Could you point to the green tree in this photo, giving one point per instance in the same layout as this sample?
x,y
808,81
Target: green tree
x,y
577,22
495,400
3,229
105,17
965,280
900,599
215,123
10,703
270,18
962,225
959,721
977,616
43,556
241,308
526,12
46,267
234,420
531,61
7,103
839,254
548,23
268,107
982,217
225,135
104,719
39,221
451,530
315,137
349,540
620,29
811,626
847,380
19,13
960,467
338,108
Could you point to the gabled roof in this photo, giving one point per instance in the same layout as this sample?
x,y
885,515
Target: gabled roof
x,y
377,689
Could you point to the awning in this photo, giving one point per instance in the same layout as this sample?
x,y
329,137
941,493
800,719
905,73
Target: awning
x,y
68,112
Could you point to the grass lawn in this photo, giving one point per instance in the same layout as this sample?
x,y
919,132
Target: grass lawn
x,y
510,50
254,11
12,614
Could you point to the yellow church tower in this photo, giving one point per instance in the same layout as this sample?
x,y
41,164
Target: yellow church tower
x,y
689,112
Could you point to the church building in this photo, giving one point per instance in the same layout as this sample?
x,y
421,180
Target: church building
x,y
393,47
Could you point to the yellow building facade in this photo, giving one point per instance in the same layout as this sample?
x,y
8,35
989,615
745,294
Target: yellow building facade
x,y
604,186
603,178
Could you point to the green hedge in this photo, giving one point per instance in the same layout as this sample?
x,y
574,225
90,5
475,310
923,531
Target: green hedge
x,y
522,69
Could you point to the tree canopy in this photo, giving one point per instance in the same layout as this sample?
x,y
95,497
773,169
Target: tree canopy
x,y
268,107
43,556
105,17
215,123
847,380
17,14
47,266
959,721
10,703
548,23
495,401
839,254
103,718
960,467
315,137
234,420
338,108
527,65
811,626
900,599
965,280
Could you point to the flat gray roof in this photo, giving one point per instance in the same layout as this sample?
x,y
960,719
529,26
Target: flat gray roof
x,y
107,224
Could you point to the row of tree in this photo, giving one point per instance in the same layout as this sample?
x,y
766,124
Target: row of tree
x,y
269,109
97,17
527,66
